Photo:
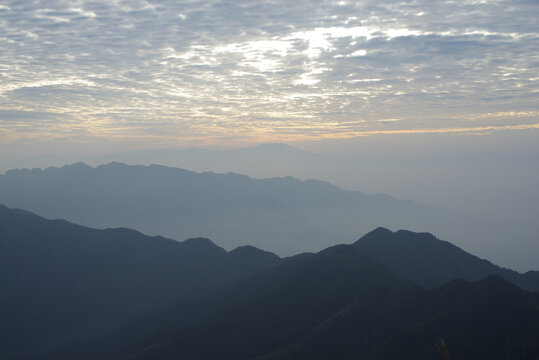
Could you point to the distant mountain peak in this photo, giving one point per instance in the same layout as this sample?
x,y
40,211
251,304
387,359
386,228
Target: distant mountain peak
x,y
382,233
249,250
199,241
275,146
78,165
417,234
114,164
376,233
245,249
268,149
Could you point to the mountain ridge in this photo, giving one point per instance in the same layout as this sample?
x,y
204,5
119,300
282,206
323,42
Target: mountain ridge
x,y
99,278
425,259
338,303
283,215
82,275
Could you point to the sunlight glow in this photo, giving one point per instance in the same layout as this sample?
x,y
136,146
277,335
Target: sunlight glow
x,y
99,69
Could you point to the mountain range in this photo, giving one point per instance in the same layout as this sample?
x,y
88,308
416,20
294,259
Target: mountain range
x,y
60,281
260,161
283,215
388,295
337,304
492,194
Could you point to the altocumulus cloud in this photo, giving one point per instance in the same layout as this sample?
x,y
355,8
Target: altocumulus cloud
x,y
225,71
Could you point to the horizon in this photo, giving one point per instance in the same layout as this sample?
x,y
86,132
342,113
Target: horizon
x,y
229,74
269,179
484,235
437,103
374,232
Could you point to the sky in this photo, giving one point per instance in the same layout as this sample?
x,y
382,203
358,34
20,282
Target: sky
x,y
230,73
433,101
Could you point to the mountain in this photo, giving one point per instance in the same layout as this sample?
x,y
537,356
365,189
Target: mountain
x,y
283,215
388,295
494,192
424,259
266,311
60,281
337,304
488,319
259,161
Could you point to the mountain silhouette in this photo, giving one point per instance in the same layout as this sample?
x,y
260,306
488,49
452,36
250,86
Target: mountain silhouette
x,y
337,304
388,295
424,259
61,281
282,215
265,311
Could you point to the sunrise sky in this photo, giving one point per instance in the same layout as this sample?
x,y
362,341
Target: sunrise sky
x,y
432,101
228,73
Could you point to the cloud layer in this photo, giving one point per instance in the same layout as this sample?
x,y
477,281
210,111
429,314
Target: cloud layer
x,y
248,71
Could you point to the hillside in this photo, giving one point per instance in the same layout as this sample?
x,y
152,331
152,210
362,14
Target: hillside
x,y
339,303
423,259
167,299
61,281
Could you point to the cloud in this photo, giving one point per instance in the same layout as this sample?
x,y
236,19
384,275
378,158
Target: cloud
x,y
256,69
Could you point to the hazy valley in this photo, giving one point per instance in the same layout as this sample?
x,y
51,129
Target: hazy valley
x,y
269,180
122,294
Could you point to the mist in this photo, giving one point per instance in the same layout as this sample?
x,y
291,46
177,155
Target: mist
x,y
489,179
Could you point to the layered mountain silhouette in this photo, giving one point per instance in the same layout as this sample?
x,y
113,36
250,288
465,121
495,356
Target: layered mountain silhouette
x,y
379,297
336,304
423,259
259,161
283,215
496,220
61,281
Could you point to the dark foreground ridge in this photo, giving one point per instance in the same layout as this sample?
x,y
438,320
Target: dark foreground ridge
x,y
61,281
337,304
424,259
389,295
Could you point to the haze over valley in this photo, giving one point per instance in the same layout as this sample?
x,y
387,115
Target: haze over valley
x,y
269,180
485,187
174,297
